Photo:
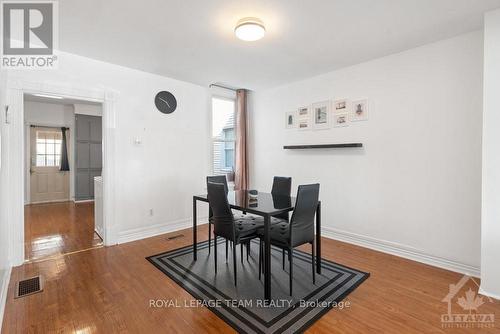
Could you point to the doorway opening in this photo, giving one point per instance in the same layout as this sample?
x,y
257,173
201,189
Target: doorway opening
x,y
63,184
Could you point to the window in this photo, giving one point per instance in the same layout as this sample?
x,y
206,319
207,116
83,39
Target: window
x,y
229,148
48,148
223,136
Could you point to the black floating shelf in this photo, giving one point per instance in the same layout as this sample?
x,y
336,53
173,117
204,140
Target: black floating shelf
x,y
302,147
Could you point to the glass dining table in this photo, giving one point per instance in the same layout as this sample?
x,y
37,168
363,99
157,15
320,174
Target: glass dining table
x,y
266,205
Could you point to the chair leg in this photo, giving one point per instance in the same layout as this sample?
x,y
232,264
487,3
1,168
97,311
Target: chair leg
x,y
227,243
260,258
209,236
290,254
263,250
241,249
248,250
234,262
312,263
215,253
283,256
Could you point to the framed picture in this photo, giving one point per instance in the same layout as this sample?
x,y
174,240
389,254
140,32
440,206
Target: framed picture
x,y
304,118
321,115
341,106
304,124
359,110
291,120
341,119
303,112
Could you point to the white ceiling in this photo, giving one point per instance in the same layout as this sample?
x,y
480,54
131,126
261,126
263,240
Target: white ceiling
x,y
193,40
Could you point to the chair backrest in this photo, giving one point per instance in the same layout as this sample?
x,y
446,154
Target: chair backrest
x,y
219,179
222,216
282,186
302,222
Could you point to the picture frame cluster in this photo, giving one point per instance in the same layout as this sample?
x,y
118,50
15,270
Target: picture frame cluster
x,y
327,114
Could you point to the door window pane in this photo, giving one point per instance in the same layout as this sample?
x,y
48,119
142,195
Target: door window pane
x,y
48,148
40,160
40,148
51,160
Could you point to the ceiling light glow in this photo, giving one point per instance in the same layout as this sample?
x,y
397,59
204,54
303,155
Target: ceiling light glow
x,y
250,29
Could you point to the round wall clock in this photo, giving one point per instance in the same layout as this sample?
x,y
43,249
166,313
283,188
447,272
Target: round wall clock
x,y
165,102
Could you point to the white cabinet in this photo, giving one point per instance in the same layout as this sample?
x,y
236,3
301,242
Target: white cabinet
x,y
98,207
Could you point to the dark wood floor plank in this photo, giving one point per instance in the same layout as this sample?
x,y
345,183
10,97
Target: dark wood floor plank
x,y
54,229
107,290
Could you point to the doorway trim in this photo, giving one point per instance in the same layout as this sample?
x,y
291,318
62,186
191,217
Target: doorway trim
x,y
16,154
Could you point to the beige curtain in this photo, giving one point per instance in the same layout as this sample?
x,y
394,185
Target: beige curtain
x,y
241,163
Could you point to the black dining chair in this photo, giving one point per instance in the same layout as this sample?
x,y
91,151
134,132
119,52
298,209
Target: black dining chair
x,y
239,231
282,186
215,179
223,179
299,231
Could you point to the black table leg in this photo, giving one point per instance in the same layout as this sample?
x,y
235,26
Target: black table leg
x,y
267,258
195,243
318,238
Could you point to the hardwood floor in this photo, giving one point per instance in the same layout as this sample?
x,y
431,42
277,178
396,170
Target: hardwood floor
x,y
58,228
107,290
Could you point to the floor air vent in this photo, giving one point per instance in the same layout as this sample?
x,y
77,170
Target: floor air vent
x,y
177,236
28,286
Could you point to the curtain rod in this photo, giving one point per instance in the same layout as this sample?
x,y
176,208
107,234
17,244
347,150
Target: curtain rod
x,y
44,126
223,87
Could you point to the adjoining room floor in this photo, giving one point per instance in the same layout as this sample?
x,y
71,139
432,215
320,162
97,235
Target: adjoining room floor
x,y
110,289
58,228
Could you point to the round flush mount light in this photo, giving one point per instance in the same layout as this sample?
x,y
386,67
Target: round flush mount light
x,y
250,29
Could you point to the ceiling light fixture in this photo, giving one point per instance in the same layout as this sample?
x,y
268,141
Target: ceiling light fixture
x,y
49,96
250,29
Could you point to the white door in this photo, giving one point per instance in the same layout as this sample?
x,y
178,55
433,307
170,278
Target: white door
x,y
47,183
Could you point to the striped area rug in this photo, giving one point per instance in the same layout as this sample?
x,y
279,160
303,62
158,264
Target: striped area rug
x,y
243,307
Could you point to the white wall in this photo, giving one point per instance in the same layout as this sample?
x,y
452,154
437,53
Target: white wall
x,y
48,114
169,166
415,188
490,228
88,109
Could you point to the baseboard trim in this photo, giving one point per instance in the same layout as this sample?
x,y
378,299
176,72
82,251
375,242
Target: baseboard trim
x,y
157,229
83,201
400,250
487,294
3,293
49,202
